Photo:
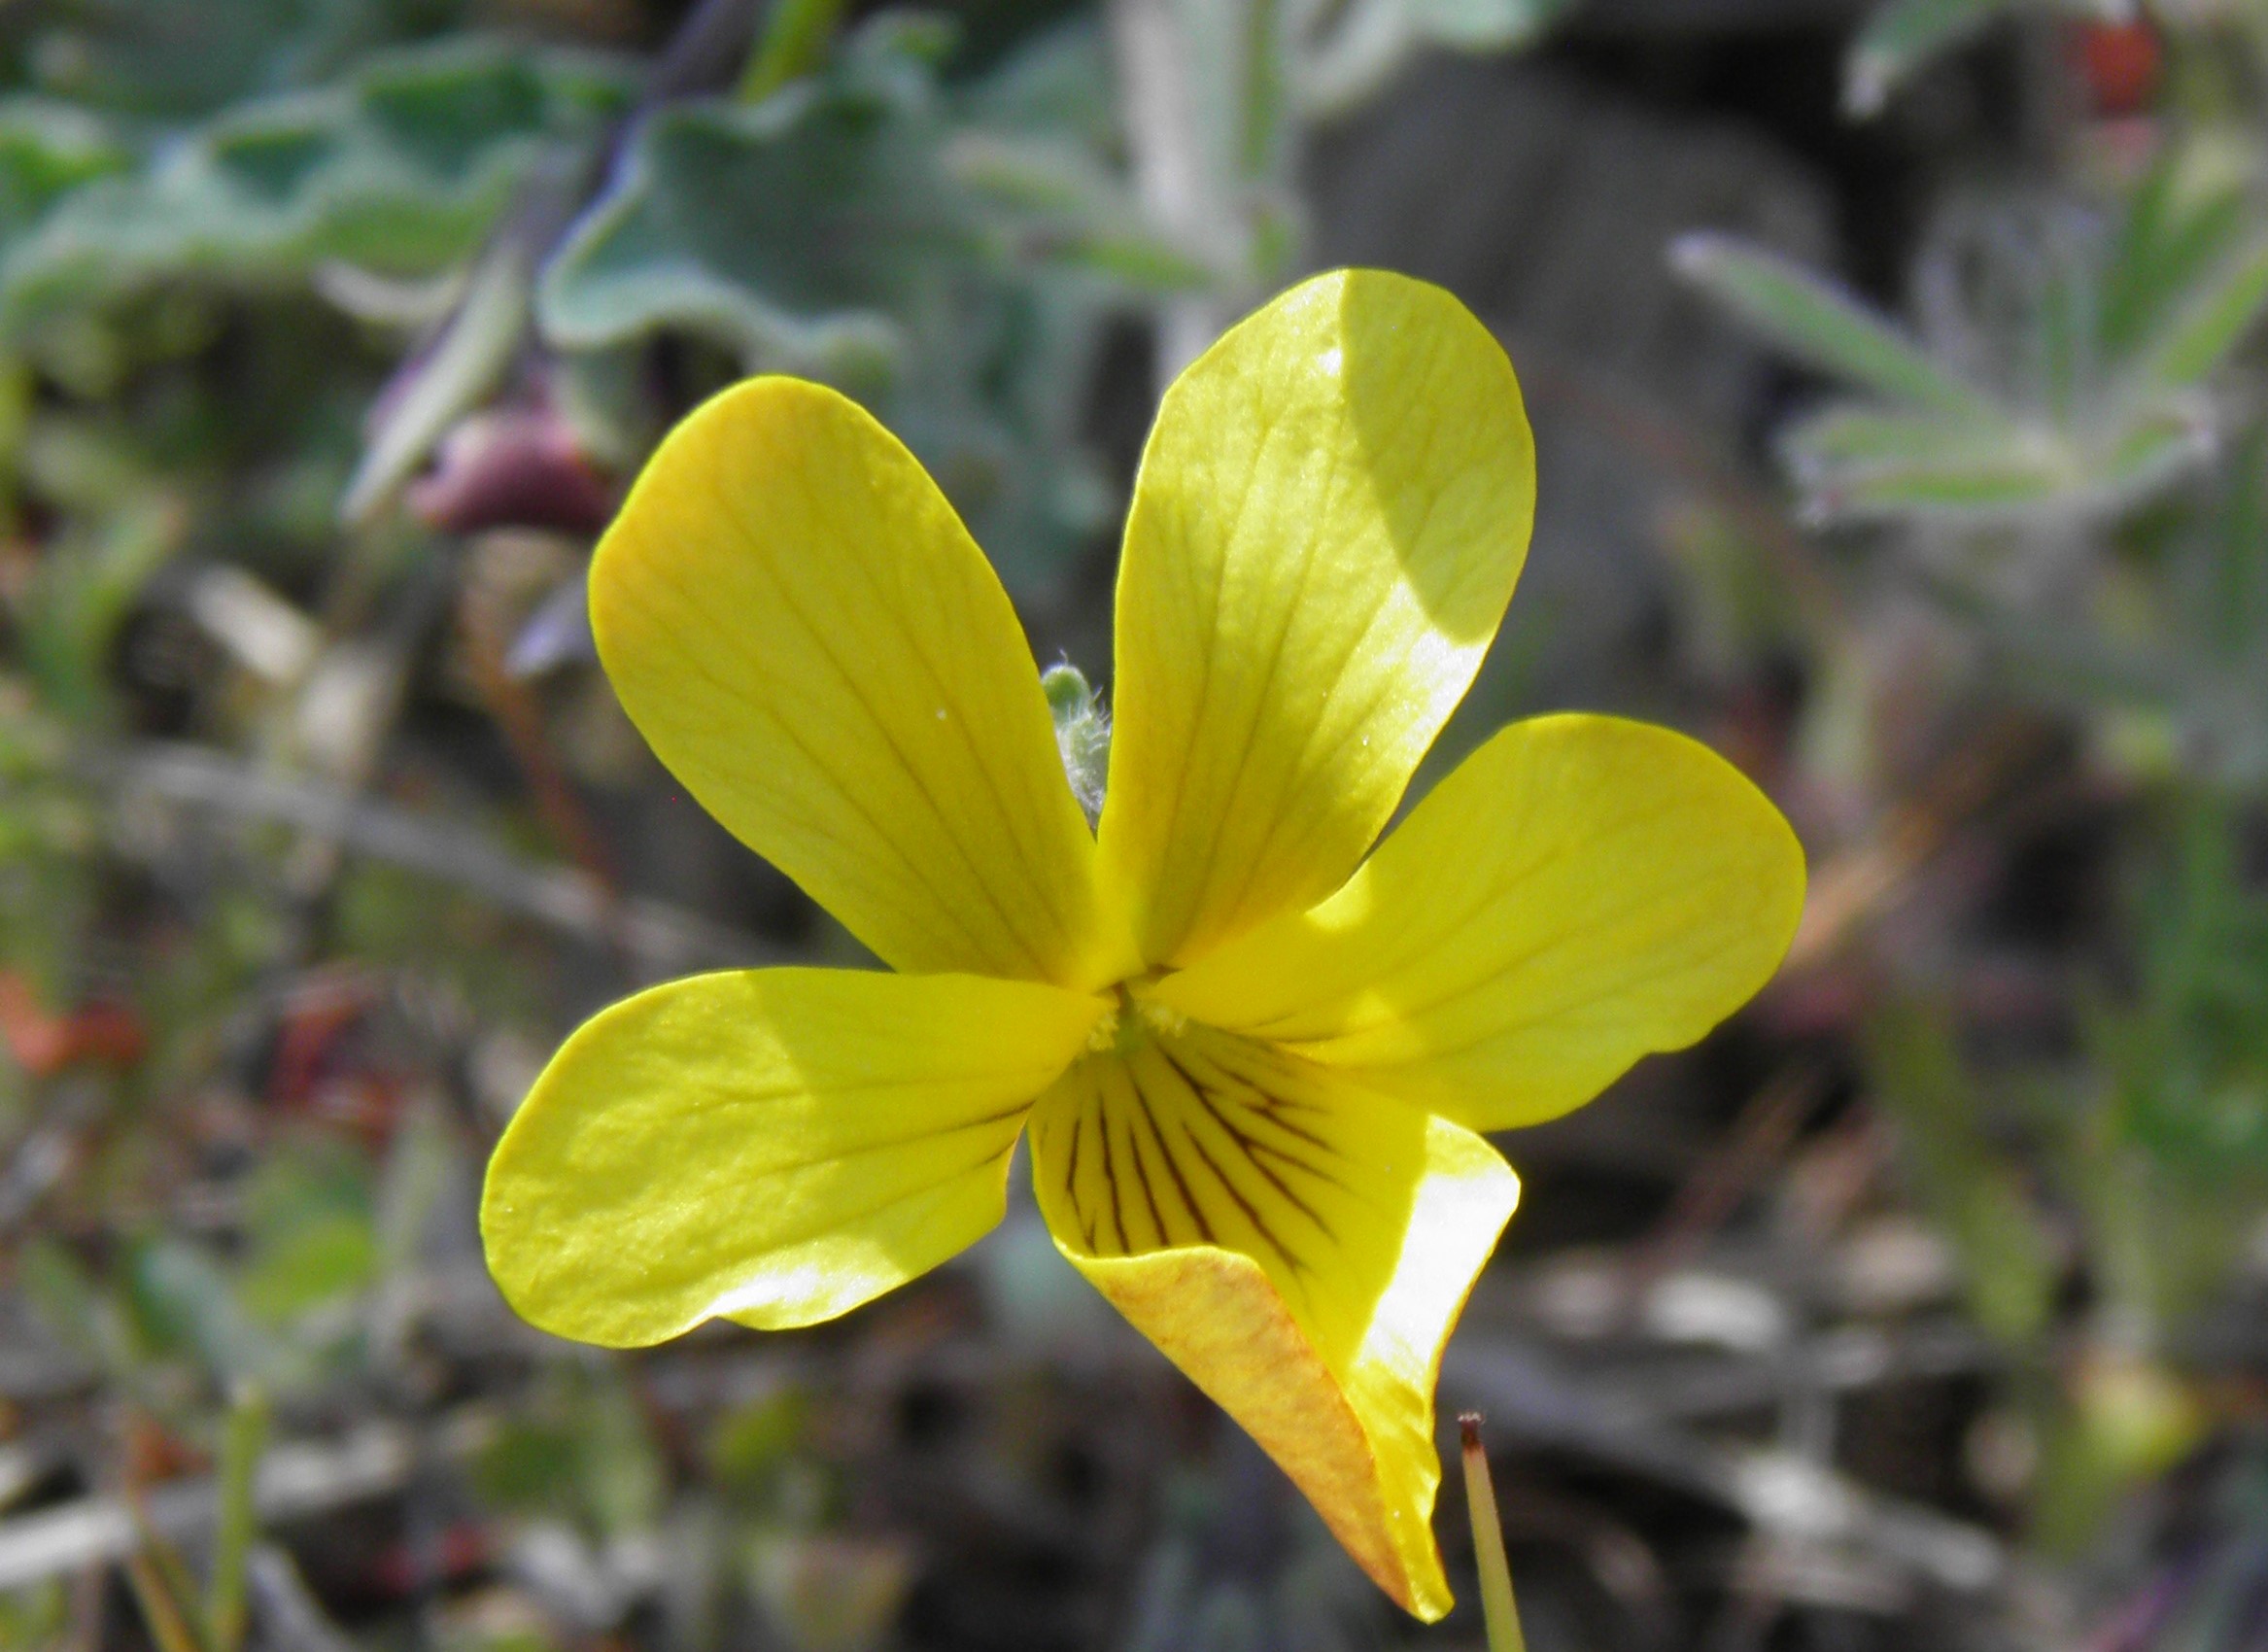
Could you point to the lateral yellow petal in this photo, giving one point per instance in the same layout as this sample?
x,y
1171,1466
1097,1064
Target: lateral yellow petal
x,y
1329,517
1300,1248
772,1146
1579,892
801,628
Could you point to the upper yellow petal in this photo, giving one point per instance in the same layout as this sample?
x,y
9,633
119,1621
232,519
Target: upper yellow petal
x,y
1579,892
1300,1248
776,1146
795,618
1330,514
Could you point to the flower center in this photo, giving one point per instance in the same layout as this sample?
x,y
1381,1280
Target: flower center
x,y
1134,1019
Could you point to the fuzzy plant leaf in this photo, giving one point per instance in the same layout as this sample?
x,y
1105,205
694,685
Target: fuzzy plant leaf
x,y
1816,321
2106,399
47,152
788,231
814,229
1371,40
1899,36
402,166
1861,463
1035,144
1903,35
1858,463
1055,200
950,252
2214,315
1484,25
160,59
1864,437
1062,83
2175,228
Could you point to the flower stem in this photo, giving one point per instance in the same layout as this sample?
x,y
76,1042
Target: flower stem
x,y
1488,1542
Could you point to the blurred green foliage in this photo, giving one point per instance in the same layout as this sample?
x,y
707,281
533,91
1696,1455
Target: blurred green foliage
x,y
2060,457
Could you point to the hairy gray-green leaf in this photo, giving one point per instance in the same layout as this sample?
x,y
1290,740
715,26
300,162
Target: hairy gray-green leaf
x,y
1988,487
1371,40
2213,318
402,166
1899,35
47,150
1814,320
788,232
1060,85
952,256
1858,463
1055,203
1851,435
179,59
2171,236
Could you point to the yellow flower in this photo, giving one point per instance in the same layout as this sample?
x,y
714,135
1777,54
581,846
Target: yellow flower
x,y
1252,1063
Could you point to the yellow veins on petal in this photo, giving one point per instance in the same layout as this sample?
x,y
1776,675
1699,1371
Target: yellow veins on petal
x,y
1328,520
1300,1248
773,1145
801,628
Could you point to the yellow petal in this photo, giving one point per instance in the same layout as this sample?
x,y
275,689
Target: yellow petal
x,y
773,1146
798,622
1299,1248
1330,514
1581,892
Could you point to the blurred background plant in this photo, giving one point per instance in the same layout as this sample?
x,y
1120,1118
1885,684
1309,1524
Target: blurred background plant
x,y
1897,376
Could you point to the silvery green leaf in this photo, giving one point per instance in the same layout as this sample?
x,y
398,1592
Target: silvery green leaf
x,y
2170,442
47,150
1899,35
1865,435
165,59
1061,84
1855,464
1371,40
2210,322
788,232
1054,202
1983,488
1484,25
2175,228
1820,324
402,168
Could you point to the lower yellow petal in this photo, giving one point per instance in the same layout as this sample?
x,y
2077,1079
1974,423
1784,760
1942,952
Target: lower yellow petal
x,y
1300,1248
772,1146
1579,892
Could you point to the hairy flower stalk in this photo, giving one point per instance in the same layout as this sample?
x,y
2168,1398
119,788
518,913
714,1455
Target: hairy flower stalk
x,y
1256,1066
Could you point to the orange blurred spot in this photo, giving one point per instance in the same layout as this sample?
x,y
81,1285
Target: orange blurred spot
x,y
2121,64
107,1034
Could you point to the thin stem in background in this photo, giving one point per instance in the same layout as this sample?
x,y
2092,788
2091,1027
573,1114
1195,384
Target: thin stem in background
x,y
1488,1542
